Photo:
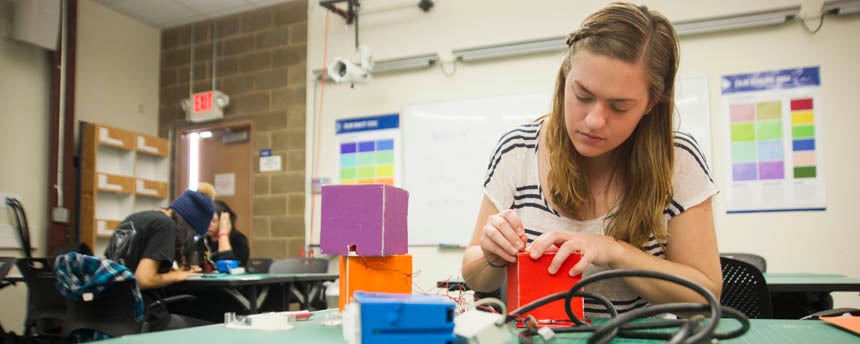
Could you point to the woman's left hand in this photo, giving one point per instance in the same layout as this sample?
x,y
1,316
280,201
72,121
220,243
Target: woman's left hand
x,y
596,249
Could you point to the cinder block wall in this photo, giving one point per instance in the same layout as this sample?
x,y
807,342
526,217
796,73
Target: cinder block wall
x,y
260,64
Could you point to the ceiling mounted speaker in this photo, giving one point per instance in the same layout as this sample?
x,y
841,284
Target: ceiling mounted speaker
x,y
37,22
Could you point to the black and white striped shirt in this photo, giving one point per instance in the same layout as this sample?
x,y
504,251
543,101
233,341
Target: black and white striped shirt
x,y
512,182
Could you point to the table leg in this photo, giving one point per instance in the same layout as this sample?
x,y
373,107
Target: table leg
x,y
253,298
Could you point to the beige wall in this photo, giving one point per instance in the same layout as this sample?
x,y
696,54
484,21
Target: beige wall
x,y
813,241
117,76
24,111
117,84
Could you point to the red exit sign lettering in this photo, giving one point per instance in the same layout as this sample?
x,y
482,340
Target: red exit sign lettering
x,y
203,102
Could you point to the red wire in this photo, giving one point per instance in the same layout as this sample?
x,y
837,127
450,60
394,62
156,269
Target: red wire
x,y
308,249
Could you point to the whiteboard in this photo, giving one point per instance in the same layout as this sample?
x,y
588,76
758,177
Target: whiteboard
x,y
446,150
447,147
692,111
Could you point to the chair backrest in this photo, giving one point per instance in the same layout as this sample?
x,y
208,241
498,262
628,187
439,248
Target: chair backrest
x,y
46,307
299,265
745,289
755,260
111,313
5,265
259,265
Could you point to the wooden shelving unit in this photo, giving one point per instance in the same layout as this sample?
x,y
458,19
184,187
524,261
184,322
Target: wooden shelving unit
x,y
122,172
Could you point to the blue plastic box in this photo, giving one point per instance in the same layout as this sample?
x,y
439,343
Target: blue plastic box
x,y
400,318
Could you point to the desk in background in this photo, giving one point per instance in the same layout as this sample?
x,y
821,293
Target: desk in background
x,y
795,295
312,331
250,291
808,282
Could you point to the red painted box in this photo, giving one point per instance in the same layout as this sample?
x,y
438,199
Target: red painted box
x,y
528,280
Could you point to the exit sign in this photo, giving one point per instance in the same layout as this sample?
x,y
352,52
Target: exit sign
x,y
203,102
205,106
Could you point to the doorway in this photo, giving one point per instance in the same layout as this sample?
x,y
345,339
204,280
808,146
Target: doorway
x,y
220,154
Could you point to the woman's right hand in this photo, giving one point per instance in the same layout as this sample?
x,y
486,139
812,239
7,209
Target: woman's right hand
x,y
503,237
225,226
183,274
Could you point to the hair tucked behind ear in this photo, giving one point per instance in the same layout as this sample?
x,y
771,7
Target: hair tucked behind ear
x,y
644,162
184,244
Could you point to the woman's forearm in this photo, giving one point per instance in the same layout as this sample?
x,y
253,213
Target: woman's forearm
x,y
224,243
658,291
477,272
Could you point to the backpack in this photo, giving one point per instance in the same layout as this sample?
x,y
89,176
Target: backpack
x,y
121,241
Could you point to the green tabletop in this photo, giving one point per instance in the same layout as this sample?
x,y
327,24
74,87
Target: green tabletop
x,y
313,331
810,282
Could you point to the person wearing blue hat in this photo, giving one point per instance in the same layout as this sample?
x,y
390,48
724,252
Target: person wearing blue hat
x,y
161,238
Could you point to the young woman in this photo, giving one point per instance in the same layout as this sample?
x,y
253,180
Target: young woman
x,y
222,240
603,174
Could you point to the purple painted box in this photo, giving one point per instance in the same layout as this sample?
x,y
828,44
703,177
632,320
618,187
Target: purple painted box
x,y
371,217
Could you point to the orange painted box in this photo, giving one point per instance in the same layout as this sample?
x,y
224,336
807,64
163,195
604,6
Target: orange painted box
x,y
391,274
528,280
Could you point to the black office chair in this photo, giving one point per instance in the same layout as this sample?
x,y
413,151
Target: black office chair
x,y
46,307
745,289
311,295
755,260
5,265
259,265
112,312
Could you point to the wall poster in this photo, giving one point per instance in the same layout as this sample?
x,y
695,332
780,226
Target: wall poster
x,y
369,150
774,161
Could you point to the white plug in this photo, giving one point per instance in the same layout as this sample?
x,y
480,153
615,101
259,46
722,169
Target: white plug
x,y
477,327
351,325
546,333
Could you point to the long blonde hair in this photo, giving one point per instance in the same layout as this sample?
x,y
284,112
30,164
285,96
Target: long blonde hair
x,y
644,161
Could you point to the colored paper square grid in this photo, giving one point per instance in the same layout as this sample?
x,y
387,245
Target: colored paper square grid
x,y
805,172
382,145
803,144
769,130
348,173
770,151
347,160
804,158
366,146
385,157
743,132
768,110
366,159
744,171
802,131
744,151
348,148
742,112
384,171
801,104
802,117
771,170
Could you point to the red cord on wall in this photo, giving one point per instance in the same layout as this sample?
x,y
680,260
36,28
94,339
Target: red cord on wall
x,y
308,251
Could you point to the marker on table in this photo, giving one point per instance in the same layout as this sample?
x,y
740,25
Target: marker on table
x,y
451,246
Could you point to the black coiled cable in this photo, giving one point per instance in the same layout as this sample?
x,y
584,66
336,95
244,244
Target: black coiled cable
x,y
692,330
